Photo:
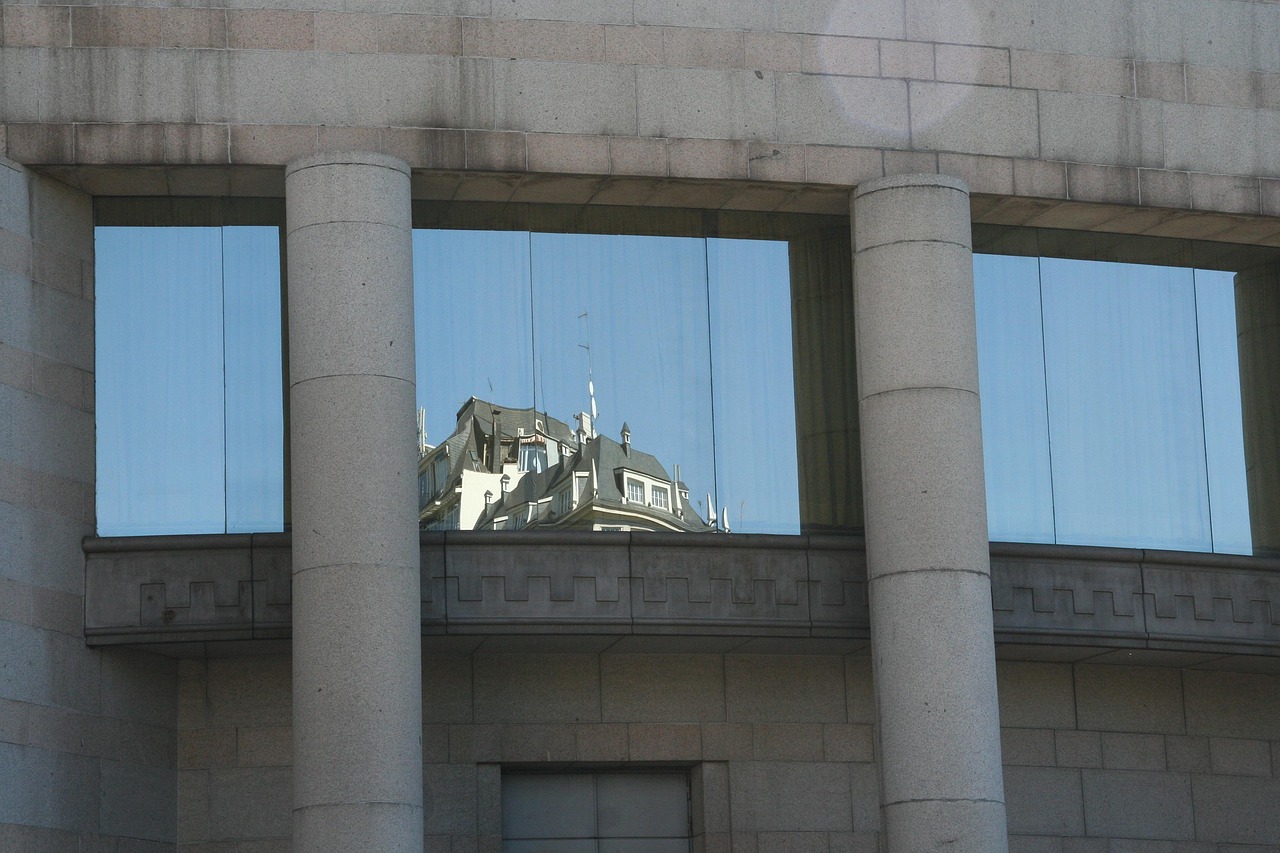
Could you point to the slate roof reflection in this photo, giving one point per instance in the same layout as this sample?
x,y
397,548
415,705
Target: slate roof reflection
x,y
590,468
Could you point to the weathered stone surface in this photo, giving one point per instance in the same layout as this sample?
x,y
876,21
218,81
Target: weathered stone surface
x,y
928,562
356,563
1131,804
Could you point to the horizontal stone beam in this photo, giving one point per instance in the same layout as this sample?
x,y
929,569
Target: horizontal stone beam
x,y
192,589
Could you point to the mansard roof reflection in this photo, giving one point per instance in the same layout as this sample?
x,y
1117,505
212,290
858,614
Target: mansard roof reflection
x,y
517,468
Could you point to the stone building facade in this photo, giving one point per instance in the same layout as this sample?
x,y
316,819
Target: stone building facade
x,y
361,689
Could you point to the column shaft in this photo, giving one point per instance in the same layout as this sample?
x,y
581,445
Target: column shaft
x,y
357,676
928,561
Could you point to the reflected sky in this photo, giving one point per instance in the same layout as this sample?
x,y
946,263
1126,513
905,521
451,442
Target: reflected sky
x,y
182,314
1111,404
640,305
754,394
1111,400
1015,418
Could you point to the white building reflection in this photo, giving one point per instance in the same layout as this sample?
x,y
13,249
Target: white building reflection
x,y
518,469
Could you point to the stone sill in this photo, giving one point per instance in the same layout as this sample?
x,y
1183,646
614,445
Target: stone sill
x,y
210,594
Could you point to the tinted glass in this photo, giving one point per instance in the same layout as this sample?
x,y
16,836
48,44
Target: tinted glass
x,y
1015,416
633,382
754,397
190,435
1111,404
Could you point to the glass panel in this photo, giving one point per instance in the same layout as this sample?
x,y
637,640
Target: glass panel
x,y
473,323
189,380
583,368
1223,421
626,317
254,379
1015,427
622,812
1162,390
1125,422
159,356
1144,404
827,431
755,416
1257,300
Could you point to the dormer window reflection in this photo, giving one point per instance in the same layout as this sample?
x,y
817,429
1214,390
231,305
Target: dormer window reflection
x,y
533,457
635,491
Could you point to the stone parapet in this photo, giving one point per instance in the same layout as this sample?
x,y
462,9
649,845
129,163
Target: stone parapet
x,y
202,589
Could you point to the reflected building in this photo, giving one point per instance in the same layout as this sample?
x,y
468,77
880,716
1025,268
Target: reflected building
x,y
516,469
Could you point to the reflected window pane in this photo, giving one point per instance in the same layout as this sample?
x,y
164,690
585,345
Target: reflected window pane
x,y
1126,433
626,318
1111,404
755,412
1015,417
189,393
161,440
254,379
1223,417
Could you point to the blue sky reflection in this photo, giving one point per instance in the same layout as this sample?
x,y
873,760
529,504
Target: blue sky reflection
x,y
183,313
1130,435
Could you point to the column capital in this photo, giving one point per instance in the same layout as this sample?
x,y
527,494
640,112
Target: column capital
x,y
345,158
347,187
910,209
891,182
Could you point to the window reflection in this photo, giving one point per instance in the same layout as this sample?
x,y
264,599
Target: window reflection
x,y
1015,418
645,382
604,382
1126,429
755,408
190,426
621,335
1111,404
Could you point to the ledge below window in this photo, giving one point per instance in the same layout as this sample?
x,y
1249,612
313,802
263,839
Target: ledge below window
x,y
197,595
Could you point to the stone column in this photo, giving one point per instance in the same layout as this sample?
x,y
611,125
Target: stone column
x,y
1258,339
357,675
928,561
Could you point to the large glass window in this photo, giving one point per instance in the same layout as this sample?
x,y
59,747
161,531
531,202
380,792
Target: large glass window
x,y
638,364
1112,403
190,423
1131,386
